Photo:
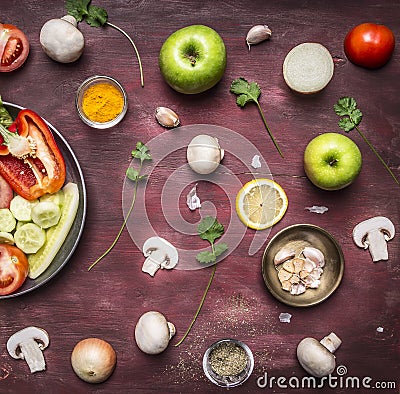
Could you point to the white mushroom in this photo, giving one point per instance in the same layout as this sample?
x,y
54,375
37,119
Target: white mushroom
x,y
317,357
204,154
373,233
61,40
160,254
153,332
28,344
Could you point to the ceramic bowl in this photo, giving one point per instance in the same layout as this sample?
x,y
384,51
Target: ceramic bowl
x,y
297,237
91,82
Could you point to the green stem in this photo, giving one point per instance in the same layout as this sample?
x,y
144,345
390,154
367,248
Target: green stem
x,y
123,224
377,154
266,126
199,308
134,47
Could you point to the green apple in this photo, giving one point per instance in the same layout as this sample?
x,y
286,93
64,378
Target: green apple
x,y
332,161
193,59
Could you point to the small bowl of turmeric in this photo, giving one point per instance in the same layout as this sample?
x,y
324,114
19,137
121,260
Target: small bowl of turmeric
x,y
101,102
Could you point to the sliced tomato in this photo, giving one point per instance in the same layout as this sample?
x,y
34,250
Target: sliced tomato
x,y
6,193
14,269
14,47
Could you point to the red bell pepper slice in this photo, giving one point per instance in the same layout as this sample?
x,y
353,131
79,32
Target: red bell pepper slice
x,y
37,174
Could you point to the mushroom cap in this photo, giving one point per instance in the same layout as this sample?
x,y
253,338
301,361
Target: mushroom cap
x,y
24,335
158,243
315,358
153,332
61,40
380,223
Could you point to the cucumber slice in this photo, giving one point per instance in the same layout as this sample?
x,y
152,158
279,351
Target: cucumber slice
x,y
7,220
46,214
57,198
6,238
56,235
21,208
30,238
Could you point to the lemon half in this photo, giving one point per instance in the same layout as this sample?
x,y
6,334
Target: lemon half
x,y
261,203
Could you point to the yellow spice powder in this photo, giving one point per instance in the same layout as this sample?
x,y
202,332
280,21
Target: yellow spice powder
x,y
102,102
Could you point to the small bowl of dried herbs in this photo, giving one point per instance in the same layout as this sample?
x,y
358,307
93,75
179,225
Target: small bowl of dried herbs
x,y
228,362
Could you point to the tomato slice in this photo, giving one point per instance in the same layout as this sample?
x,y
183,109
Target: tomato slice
x,y
14,47
14,269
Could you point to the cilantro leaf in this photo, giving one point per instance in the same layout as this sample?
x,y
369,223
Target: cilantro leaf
x,y
220,248
77,8
141,152
97,16
351,117
250,92
206,257
210,229
247,91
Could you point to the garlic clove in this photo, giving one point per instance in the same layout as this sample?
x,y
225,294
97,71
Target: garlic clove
x,y
166,117
283,255
283,275
258,34
288,266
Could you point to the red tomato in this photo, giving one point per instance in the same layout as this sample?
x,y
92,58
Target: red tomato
x,y
14,47
14,268
369,45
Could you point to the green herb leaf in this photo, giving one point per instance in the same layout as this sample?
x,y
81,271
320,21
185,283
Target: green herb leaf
x,y
132,174
97,16
206,257
220,248
142,153
246,93
351,117
210,229
346,124
5,118
77,8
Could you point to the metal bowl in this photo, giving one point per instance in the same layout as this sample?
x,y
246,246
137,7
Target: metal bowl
x,y
228,381
74,174
79,98
297,237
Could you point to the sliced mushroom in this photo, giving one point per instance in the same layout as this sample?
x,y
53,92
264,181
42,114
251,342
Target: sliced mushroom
x,y
373,233
160,254
28,344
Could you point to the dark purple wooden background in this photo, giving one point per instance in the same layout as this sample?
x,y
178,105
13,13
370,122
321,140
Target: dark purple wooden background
x,y
107,301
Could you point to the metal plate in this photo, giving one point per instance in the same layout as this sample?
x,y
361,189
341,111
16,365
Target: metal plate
x,y
297,237
74,174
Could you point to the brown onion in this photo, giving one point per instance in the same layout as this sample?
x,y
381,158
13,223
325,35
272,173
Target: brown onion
x,y
93,360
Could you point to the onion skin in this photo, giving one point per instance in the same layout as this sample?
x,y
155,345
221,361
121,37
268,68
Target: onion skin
x,y
93,360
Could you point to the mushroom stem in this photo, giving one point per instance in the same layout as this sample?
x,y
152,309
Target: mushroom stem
x,y
31,352
331,342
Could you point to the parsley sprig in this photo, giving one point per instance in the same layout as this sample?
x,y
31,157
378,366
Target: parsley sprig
x,y
248,92
142,154
97,17
210,230
351,117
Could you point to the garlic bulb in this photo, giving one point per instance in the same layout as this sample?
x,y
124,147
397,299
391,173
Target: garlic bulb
x,y
153,332
204,154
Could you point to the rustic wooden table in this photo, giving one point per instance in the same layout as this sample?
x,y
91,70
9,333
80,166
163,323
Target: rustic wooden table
x,y
107,301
